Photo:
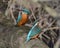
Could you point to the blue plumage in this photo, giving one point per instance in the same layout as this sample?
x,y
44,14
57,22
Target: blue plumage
x,y
34,31
19,17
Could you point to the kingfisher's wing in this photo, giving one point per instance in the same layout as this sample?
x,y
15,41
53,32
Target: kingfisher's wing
x,y
34,31
19,17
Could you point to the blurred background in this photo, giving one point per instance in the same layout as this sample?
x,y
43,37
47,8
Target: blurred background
x,y
15,37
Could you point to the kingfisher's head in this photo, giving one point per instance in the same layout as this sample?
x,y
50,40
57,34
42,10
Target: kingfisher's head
x,y
26,11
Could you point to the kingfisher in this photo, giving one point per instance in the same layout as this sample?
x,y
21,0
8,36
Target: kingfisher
x,y
22,17
33,33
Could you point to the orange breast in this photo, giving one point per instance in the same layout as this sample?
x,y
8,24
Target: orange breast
x,y
23,20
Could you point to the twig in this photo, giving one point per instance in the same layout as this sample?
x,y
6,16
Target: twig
x,y
13,17
46,36
31,10
53,28
54,33
51,24
48,29
57,44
